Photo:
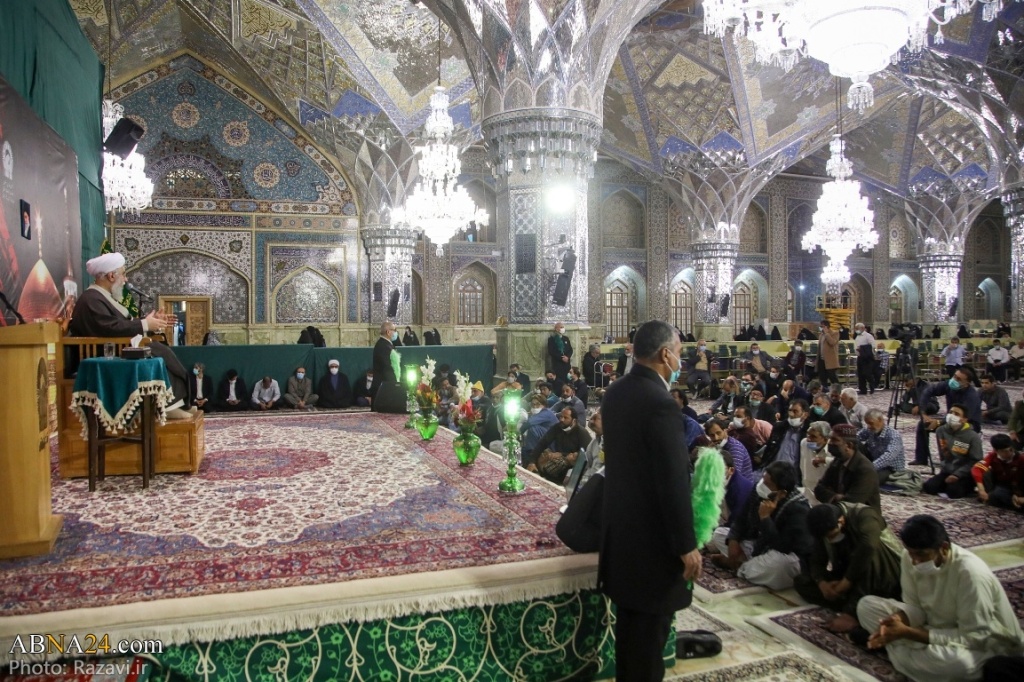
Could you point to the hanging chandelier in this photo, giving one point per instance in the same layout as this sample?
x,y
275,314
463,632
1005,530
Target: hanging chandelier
x,y
126,187
842,222
437,205
855,38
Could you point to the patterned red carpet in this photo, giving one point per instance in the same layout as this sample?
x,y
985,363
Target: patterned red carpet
x,y
283,501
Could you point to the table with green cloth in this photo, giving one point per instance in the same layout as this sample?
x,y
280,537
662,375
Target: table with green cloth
x,y
115,389
279,361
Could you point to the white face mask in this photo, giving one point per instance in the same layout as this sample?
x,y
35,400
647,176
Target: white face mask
x,y
927,568
737,422
953,420
755,352
536,410
763,491
334,370
795,421
567,429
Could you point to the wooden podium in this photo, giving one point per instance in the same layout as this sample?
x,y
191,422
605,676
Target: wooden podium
x,y
29,526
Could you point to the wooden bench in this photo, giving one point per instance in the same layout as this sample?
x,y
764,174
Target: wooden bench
x,y
180,443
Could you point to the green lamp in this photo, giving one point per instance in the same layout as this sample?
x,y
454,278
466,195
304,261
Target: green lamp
x,y
511,484
412,375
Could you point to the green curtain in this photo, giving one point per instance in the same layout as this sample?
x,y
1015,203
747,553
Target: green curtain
x,y
45,56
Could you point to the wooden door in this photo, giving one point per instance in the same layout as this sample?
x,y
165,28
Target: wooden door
x,y
195,311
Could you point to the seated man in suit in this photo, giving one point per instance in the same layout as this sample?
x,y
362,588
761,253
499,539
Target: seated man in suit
x,y
699,362
98,312
625,361
232,394
333,388
850,477
201,387
299,393
361,391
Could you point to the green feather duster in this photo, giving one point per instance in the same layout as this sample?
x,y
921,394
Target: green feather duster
x,y
708,492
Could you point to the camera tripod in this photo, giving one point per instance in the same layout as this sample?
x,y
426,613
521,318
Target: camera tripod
x,y
901,372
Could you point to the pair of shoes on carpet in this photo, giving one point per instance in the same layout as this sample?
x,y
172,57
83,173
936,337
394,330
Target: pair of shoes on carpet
x,y
697,644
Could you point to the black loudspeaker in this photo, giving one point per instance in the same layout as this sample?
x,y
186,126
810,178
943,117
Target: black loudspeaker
x,y
391,398
564,280
124,138
393,303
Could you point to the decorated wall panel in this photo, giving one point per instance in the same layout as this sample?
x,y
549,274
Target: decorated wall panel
x,y
188,273
307,296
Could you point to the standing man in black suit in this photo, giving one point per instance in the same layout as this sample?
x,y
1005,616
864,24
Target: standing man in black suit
x,y
382,368
560,353
649,557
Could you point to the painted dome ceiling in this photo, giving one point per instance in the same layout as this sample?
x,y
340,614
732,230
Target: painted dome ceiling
x,y
366,68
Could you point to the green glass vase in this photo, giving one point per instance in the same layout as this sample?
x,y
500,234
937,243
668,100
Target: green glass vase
x,y
467,446
427,424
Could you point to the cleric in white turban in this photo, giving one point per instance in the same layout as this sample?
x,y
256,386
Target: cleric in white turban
x,y
101,265
99,313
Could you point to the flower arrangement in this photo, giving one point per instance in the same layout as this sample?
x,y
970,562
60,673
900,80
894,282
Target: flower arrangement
x,y
426,397
466,417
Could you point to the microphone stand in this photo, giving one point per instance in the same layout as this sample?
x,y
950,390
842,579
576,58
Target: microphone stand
x,y
3,297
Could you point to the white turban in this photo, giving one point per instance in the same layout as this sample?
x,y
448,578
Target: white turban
x,y
101,265
333,363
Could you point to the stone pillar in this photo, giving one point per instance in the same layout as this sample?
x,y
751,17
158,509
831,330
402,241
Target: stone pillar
x,y
543,159
714,261
390,254
1013,210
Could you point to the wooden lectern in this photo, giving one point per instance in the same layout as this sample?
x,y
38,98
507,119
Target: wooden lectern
x,y
29,527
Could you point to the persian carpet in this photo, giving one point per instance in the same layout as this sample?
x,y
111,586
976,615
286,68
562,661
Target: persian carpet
x,y
330,517
807,623
781,668
719,581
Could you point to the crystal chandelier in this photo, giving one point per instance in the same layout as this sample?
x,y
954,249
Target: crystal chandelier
x,y
842,222
125,185
855,38
437,205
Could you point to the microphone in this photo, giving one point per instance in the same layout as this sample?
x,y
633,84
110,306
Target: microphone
x,y
138,292
10,307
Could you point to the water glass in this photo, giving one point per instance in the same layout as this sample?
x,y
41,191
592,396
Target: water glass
x,y
108,349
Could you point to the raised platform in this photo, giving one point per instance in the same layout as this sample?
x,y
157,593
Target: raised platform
x,y
337,523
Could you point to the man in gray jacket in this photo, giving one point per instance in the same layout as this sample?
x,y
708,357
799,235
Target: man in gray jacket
x,y
300,391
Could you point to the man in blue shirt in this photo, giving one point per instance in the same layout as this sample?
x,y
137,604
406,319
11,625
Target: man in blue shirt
x,y
958,391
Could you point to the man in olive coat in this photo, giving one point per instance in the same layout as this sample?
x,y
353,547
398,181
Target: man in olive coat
x,y
649,557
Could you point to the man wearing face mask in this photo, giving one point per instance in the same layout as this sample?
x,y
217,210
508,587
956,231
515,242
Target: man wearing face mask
x,y
999,477
784,443
383,367
333,388
557,450
960,448
814,458
540,420
649,557
757,360
723,442
855,554
625,361
299,391
954,616
99,312
850,477
769,541
559,353
795,360
569,400
361,392
824,410
959,391
828,354
864,345
753,433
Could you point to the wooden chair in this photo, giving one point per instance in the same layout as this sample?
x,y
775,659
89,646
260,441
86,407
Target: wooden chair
x,y
180,444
